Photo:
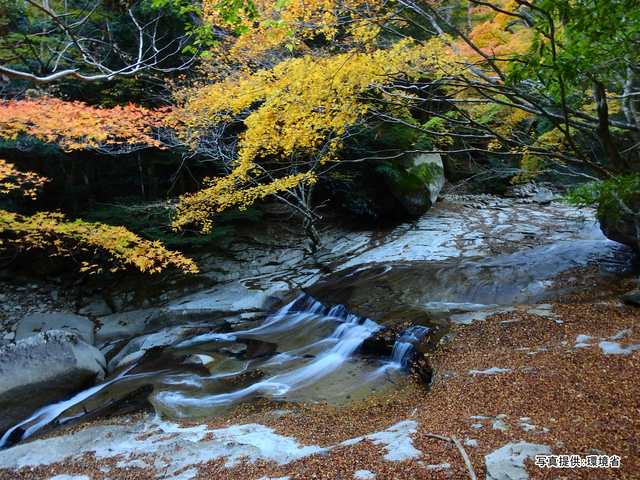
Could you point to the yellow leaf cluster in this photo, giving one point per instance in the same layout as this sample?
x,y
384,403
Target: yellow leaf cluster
x,y
553,140
500,36
233,190
614,104
294,22
303,102
12,179
298,109
50,229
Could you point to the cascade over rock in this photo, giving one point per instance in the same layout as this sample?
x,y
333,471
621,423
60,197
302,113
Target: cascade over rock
x,y
43,369
227,344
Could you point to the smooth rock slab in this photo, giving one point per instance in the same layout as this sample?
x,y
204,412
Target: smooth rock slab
x,y
44,369
157,443
544,196
225,300
136,348
507,463
124,325
364,475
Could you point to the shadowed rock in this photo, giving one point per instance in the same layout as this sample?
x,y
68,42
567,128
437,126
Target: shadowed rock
x,y
43,369
41,322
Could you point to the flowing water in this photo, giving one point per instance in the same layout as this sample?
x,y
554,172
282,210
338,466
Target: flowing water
x,y
304,352
428,293
315,346
312,353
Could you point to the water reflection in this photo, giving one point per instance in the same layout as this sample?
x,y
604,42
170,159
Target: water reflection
x,y
427,293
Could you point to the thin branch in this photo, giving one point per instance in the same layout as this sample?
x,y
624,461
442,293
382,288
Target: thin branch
x,y
149,53
467,462
465,457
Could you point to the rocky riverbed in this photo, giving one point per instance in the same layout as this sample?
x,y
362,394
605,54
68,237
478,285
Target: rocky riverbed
x,y
24,297
384,435
275,261
539,380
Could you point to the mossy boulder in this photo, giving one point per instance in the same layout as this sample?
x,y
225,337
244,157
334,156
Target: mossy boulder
x,y
416,182
621,227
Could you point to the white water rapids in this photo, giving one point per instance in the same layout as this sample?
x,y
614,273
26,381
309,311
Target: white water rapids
x,y
313,354
315,351
308,353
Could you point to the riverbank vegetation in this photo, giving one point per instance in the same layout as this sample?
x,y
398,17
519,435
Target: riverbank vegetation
x,y
306,103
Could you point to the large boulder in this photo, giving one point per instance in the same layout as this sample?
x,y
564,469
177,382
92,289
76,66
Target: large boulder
x,y
621,228
417,184
41,322
43,369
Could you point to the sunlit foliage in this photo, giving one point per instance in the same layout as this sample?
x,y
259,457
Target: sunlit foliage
x,y
12,179
118,247
77,126
297,102
121,248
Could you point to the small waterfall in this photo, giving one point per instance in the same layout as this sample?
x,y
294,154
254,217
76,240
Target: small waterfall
x,y
400,354
339,311
47,414
403,348
313,353
345,333
304,303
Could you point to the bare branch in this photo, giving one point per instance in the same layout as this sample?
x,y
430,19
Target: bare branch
x,y
86,53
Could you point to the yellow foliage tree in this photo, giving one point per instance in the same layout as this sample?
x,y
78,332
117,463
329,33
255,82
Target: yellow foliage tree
x,y
77,126
301,77
50,229
498,37
297,104
12,179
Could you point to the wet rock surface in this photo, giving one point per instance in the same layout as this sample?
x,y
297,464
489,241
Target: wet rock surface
x,y
44,369
468,229
381,275
271,265
448,248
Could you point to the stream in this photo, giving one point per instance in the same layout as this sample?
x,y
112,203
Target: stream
x,y
303,352
429,292
315,349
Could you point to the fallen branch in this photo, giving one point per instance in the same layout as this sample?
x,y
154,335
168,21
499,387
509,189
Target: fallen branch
x,y
472,474
462,451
